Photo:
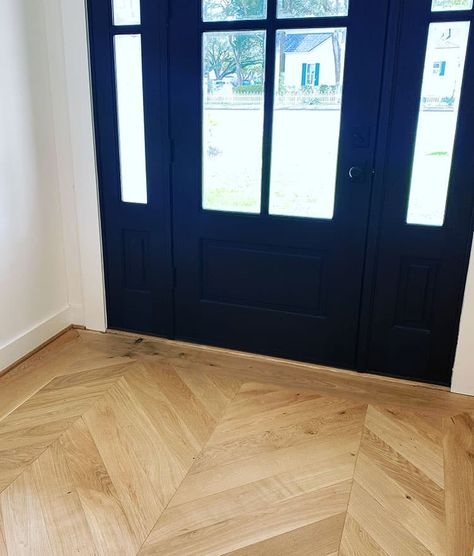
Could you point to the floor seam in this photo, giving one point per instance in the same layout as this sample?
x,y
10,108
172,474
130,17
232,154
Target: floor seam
x,y
76,419
191,466
353,480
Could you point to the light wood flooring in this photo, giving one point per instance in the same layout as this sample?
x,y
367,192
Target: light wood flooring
x,y
114,444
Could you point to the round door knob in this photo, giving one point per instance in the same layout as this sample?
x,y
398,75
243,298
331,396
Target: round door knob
x,y
356,173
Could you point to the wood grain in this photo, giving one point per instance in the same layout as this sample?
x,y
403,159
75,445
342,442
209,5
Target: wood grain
x,y
114,444
459,476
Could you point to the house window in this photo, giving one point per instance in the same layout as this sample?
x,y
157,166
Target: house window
x,y
310,74
439,68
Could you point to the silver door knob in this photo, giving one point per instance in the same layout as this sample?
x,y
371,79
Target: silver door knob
x,y
356,173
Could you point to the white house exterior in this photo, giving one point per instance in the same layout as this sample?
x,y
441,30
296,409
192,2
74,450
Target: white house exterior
x,y
444,57
309,60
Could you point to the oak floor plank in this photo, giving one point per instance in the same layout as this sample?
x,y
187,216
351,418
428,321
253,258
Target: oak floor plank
x,y
24,381
32,427
24,524
3,542
127,443
357,542
275,438
317,539
169,415
400,507
255,368
277,519
108,524
192,412
412,479
424,452
386,532
116,444
459,476
223,390
252,498
66,524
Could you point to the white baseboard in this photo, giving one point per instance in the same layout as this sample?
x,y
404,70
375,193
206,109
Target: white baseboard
x,y
463,383
15,349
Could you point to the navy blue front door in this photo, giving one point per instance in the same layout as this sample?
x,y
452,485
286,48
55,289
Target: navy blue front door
x,y
260,167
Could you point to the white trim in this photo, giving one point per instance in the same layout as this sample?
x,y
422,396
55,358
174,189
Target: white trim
x,y
76,56
463,375
64,156
29,340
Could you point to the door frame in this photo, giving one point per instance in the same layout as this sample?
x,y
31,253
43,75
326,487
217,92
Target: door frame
x,y
75,33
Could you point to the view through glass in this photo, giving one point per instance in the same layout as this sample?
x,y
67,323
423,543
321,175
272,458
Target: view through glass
x,y
233,95
131,124
306,121
126,12
451,5
439,107
312,8
232,10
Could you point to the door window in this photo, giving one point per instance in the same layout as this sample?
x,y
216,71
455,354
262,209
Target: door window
x,y
233,106
437,121
305,8
131,122
229,10
307,121
279,137
126,12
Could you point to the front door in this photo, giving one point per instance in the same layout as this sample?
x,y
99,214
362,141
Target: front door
x,y
288,177
274,111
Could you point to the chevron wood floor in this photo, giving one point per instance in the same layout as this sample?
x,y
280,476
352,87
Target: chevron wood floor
x,y
114,444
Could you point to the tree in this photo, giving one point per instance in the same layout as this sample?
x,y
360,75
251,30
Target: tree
x,y
218,57
337,38
241,54
315,8
232,9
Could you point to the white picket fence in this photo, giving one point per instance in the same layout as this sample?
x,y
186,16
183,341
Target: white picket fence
x,y
437,103
290,100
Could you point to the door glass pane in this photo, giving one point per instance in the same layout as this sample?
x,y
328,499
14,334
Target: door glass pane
x,y
231,10
128,67
442,80
126,12
312,8
451,5
306,122
233,80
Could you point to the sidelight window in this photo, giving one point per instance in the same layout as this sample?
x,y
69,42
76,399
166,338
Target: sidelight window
x,y
130,115
437,122
451,5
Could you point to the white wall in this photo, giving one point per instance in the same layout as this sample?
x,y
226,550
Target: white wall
x,y
33,281
47,178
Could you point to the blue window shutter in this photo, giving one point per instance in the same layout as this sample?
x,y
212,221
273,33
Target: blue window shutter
x,y
303,75
442,69
317,70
